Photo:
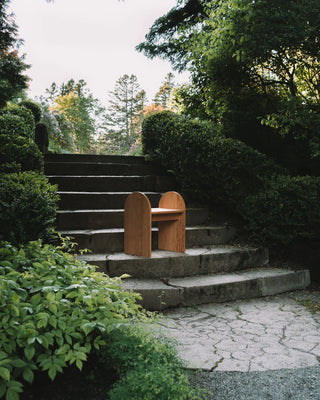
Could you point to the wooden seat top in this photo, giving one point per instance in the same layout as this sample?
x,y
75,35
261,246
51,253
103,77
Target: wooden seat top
x,y
166,210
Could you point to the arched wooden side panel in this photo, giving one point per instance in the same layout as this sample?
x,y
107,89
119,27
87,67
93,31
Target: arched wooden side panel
x,y
172,234
137,225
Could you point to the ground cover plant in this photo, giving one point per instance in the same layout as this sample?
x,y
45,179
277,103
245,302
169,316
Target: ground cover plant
x,y
56,312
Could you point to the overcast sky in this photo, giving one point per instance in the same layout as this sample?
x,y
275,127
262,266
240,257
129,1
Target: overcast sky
x,y
92,40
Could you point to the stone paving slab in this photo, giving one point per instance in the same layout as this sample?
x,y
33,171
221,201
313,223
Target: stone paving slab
x,y
263,334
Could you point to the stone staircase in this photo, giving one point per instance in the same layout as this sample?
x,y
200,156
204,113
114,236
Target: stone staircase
x,y
93,189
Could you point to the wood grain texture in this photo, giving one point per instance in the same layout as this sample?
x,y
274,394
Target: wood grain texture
x,y
137,225
138,217
171,234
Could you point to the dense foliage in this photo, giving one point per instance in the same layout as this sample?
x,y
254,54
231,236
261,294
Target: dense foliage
x,y
54,311
13,125
34,107
276,207
22,151
12,66
260,88
70,113
148,366
27,208
25,115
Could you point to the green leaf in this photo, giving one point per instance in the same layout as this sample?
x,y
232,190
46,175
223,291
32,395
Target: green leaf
x,y
29,352
79,364
52,372
5,373
12,394
18,363
28,375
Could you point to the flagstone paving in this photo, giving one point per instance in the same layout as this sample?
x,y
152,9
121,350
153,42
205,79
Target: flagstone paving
x,y
253,335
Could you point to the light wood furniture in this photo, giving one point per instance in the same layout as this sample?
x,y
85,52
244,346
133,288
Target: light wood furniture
x,y
138,218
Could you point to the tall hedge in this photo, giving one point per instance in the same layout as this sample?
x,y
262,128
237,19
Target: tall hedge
x,y
276,207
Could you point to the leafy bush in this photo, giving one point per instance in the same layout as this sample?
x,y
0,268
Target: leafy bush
x,y
288,208
21,150
35,108
27,207
13,125
209,166
148,366
54,311
276,207
27,117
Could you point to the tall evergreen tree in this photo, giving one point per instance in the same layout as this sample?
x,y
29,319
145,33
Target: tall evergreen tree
x,y
125,102
163,95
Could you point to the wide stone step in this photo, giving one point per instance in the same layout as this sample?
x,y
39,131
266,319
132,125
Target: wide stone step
x,y
113,183
91,168
158,295
112,218
111,240
75,200
94,158
167,264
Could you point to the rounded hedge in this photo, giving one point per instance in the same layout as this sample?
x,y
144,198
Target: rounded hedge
x,y
27,117
209,166
27,207
13,125
35,108
22,151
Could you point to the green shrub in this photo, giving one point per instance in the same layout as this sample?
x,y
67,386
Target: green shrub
x,y
148,366
27,207
9,168
21,150
276,207
208,166
27,117
287,209
35,108
13,125
54,311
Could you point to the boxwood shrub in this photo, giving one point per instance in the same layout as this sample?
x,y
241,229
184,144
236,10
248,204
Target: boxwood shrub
x,y
276,207
25,115
27,207
13,125
34,107
208,166
20,150
287,209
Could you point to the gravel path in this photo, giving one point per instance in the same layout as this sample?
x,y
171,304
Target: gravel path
x,y
285,384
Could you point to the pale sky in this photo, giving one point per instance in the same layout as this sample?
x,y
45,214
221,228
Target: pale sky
x,y
92,40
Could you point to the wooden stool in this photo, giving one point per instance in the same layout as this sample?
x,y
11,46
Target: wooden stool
x,y
138,218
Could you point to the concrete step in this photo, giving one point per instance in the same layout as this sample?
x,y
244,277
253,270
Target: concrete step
x,y
111,240
92,183
112,218
100,168
94,158
168,264
159,295
75,200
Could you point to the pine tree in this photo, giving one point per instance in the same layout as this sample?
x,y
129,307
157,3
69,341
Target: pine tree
x,y
163,95
125,102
